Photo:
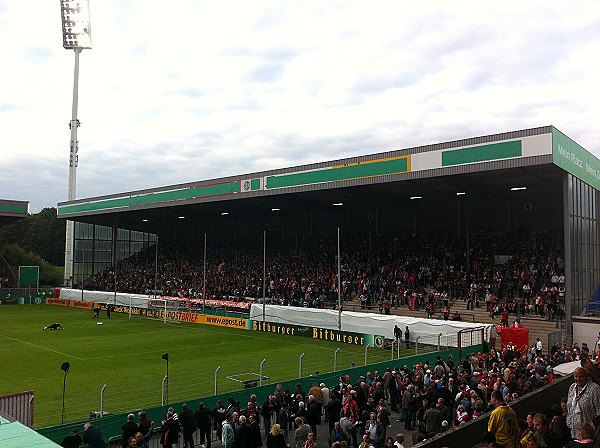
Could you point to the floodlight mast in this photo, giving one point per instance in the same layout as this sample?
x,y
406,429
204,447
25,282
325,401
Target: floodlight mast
x,y
77,36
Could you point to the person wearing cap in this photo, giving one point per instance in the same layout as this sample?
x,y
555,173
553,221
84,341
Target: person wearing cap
x,y
129,429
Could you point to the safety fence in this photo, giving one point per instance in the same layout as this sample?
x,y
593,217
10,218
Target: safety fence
x,y
110,425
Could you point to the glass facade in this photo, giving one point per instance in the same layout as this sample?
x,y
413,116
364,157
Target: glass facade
x,y
582,244
93,247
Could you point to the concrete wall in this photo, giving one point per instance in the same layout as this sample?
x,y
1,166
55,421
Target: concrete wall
x,y
586,329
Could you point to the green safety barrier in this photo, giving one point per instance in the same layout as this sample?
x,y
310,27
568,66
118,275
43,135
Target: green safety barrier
x,y
110,425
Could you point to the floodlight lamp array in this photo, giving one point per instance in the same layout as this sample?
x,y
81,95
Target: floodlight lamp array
x,y
76,24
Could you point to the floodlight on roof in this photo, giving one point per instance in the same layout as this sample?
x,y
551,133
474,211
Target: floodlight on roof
x,y
518,188
338,204
182,217
224,213
416,197
460,193
76,30
275,209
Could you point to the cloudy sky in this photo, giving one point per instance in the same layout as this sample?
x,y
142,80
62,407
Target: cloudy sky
x,y
188,90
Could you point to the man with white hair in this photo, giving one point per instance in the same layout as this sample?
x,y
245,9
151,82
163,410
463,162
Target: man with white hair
x,y
129,429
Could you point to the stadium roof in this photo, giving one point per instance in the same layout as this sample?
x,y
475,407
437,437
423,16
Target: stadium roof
x,y
535,157
12,210
16,435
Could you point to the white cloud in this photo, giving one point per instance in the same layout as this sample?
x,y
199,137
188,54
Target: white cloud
x,y
189,90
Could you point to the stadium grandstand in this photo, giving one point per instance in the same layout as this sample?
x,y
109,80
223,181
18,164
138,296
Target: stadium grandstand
x,y
509,217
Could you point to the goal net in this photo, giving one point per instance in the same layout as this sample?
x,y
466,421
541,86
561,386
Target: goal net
x,y
166,308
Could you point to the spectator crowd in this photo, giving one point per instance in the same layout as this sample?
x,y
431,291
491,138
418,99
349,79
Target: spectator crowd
x,y
427,398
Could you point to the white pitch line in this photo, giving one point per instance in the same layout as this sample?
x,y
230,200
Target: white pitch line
x,y
39,346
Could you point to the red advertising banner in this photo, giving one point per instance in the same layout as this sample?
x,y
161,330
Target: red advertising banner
x,y
514,336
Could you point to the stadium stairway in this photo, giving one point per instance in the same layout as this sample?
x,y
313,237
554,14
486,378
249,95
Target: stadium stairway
x,y
538,327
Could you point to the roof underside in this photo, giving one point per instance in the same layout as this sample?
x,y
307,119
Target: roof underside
x,y
495,184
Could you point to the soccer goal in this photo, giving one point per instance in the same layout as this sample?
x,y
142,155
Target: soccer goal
x,y
166,305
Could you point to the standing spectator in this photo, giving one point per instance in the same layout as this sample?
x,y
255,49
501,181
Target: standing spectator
x,y
202,417
129,429
227,434
375,431
187,420
538,346
542,428
92,436
503,422
399,443
169,430
255,427
301,433
313,414
267,410
338,434
73,440
244,437
583,401
407,337
218,414
433,420
275,439
559,424
145,423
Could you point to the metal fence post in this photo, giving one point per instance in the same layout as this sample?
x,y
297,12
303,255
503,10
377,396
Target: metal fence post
x,y
335,359
366,352
102,400
417,345
164,382
300,366
262,364
216,378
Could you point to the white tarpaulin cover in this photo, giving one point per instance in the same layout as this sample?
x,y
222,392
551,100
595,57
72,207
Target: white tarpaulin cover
x,y
370,323
566,368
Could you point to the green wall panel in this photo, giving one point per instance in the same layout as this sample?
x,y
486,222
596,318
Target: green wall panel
x,y
153,198
336,174
482,153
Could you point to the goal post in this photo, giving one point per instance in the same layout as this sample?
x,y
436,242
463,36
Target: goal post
x,y
166,304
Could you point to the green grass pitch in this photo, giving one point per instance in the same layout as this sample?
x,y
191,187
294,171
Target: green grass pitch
x,y
126,356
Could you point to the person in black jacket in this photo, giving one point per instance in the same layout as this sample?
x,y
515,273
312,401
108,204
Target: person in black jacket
x,y
255,426
187,420
129,429
203,422
244,437
73,440
92,436
169,430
